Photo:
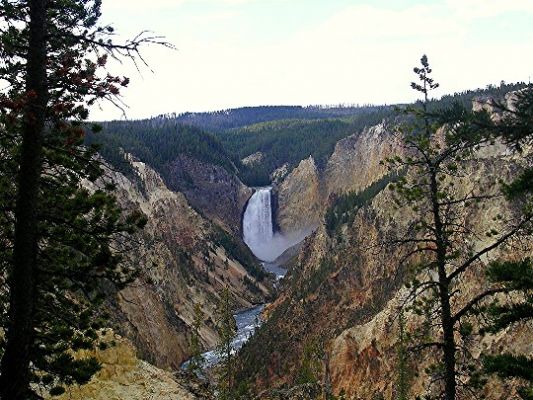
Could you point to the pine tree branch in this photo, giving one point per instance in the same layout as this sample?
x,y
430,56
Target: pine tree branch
x,y
423,346
476,300
489,248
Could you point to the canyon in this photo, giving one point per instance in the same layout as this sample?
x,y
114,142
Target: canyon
x,y
296,282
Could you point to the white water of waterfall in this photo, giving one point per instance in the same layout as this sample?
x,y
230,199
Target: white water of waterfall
x,y
257,223
258,233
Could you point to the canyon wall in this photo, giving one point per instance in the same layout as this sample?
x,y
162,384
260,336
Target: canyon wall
x,y
305,193
299,198
183,259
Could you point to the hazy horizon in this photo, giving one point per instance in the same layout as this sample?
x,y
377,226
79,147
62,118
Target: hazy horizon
x,y
325,106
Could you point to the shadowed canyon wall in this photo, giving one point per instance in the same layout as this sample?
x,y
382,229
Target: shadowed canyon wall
x,y
183,260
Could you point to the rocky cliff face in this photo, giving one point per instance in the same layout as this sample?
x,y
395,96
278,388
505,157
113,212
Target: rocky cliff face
x,y
305,193
299,198
355,163
253,159
218,194
183,260
344,292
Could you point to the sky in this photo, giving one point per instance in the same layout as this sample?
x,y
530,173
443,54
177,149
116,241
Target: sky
x,y
233,53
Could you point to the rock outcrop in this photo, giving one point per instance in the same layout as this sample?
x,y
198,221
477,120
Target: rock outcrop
x,y
355,162
299,199
253,159
304,194
279,174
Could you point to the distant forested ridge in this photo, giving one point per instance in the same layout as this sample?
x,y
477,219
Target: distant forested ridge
x,y
217,121
290,141
223,120
283,134
158,142
466,97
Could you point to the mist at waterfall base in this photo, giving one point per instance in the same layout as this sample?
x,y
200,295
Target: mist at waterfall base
x,y
258,231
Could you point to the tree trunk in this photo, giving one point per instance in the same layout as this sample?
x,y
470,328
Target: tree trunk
x,y
449,347
15,365
444,293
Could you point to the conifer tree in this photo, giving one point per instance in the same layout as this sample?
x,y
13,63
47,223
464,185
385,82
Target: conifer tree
x,y
311,363
61,239
197,360
402,387
439,147
226,327
517,278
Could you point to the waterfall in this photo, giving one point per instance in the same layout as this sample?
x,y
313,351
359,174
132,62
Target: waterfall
x,y
257,228
257,223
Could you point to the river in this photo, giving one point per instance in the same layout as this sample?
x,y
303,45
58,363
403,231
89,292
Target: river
x,y
266,245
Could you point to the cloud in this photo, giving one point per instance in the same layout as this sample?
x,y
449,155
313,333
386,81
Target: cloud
x,y
474,9
131,5
367,22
